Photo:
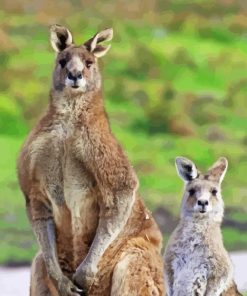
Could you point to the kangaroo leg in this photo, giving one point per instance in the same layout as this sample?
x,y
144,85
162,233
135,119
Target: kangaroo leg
x,y
137,273
41,284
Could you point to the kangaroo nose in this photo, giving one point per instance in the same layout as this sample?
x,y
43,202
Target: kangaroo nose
x,y
202,203
74,77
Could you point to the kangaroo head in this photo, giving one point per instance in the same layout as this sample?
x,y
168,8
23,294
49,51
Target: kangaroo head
x,y
202,196
76,67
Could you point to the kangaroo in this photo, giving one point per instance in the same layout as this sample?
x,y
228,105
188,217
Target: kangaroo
x,y
195,258
93,230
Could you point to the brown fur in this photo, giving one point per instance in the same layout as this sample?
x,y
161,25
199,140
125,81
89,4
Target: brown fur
x,y
75,176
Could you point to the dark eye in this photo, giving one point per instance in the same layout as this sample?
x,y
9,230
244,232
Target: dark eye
x,y
62,62
214,191
89,64
192,191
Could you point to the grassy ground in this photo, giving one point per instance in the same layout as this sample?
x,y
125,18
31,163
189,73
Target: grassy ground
x,y
174,85
153,158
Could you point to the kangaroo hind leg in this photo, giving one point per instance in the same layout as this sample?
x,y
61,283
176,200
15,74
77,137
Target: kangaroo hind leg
x,y
135,275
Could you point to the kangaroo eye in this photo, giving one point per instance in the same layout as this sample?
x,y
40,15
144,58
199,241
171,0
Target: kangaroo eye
x,y
62,63
192,191
214,192
89,64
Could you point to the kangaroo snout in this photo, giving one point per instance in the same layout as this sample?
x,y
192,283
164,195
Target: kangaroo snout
x,y
203,204
74,76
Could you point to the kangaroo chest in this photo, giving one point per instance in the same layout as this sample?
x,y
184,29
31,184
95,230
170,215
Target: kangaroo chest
x,y
191,253
81,197
68,183
80,192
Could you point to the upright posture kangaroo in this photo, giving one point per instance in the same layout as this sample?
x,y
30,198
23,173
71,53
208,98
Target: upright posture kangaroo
x,y
196,261
93,230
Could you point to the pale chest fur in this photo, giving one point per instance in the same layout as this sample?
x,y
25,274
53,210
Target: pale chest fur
x,y
80,192
191,253
198,254
63,177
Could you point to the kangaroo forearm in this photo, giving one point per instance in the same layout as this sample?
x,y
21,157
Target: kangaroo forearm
x,y
111,223
219,282
45,233
214,288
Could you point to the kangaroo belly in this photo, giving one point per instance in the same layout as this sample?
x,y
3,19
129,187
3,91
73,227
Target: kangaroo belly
x,y
81,198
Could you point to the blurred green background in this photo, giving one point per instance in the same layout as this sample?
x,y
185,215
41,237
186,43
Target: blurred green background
x,y
175,83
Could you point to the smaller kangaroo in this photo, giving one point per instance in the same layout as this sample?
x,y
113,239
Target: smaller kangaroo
x,y
195,258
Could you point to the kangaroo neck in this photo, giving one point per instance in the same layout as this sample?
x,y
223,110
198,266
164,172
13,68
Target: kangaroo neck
x,y
77,105
200,224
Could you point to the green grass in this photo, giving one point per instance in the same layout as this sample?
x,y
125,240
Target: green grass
x,y
17,242
153,158
234,239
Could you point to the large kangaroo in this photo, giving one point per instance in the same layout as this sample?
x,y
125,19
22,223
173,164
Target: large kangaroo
x,y
93,230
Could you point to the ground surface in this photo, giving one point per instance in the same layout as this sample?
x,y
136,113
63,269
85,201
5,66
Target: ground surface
x,y
15,281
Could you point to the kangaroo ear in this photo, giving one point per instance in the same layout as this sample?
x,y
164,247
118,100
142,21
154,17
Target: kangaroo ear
x,y
186,169
60,37
218,170
93,45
